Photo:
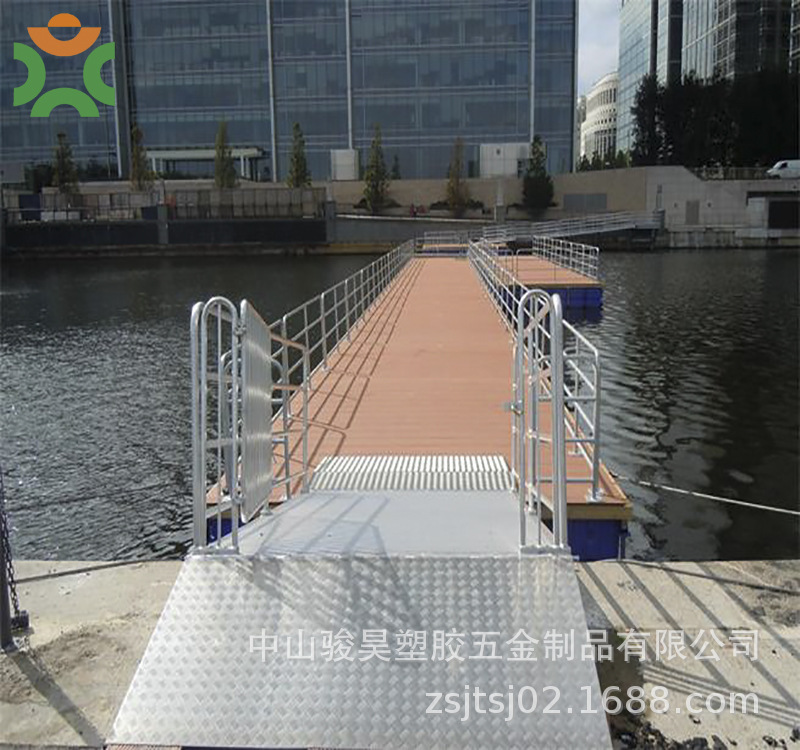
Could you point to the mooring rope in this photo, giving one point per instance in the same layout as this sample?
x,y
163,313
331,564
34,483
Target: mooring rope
x,y
705,495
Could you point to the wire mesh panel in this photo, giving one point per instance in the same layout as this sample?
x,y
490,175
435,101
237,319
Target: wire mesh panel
x,y
256,438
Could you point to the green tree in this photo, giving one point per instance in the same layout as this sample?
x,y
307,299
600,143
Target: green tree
x,y
38,176
224,171
299,174
584,165
537,185
596,163
395,168
621,160
141,175
646,113
376,176
457,191
65,174
764,108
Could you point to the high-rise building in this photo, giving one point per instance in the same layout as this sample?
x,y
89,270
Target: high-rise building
x,y
669,38
638,46
794,40
735,37
425,71
599,129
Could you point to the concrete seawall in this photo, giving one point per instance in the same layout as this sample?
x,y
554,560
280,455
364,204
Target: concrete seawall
x,y
91,622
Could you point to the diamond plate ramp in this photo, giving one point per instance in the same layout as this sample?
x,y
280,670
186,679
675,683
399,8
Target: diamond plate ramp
x,y
199,683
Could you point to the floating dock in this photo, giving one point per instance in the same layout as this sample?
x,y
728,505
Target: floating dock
x,y
412,460
427,373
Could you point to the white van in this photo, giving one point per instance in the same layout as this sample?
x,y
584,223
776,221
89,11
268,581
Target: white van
x,y
788,169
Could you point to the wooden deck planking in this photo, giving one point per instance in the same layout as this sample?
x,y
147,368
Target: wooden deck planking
x,y
427,372
537,272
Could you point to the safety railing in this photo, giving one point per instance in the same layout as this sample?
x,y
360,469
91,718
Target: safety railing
x,y
582,408
538,461
536,322
444,243
574,256
591,224
234,390
319,325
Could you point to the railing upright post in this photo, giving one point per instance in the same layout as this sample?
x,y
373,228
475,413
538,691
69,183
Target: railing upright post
x,y
558,445
324,331
596,430
306,375
285,360
347,309
519,420
198,466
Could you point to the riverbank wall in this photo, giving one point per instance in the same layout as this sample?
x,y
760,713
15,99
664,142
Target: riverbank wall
x,y
329,217
91,622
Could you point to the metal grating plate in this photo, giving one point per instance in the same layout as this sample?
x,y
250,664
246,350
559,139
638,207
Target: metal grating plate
x,y
199,684
412,473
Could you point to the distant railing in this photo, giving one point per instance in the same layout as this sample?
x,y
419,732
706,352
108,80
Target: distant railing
x,y
731,173
445,243
583,225
123,205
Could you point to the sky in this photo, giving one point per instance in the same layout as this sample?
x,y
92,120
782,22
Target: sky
x,y
598,38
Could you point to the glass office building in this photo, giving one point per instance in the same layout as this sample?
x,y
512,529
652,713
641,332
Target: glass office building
x,y
669,41
638,25
426,71
734,37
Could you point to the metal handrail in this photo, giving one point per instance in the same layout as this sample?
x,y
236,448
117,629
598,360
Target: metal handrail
x,y
536,323
233,391
321,324
589,224
577,367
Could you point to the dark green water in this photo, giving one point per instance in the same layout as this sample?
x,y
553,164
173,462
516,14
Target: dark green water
x,y
700,356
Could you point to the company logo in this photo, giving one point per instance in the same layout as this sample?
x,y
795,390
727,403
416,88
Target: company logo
x,y
84,38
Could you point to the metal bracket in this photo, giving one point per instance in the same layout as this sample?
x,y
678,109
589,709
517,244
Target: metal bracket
x,y
515,407
591,499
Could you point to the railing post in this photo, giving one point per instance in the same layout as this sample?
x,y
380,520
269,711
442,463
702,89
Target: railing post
x,y
596,447
324,331
347,309
285,361
306,375
558,445
198,471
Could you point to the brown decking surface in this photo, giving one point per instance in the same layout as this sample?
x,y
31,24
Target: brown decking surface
x,y
530,270
537,272
427,372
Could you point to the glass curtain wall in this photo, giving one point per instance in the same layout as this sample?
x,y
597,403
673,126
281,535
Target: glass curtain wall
x,y
428,71
310,68
195,63
32,140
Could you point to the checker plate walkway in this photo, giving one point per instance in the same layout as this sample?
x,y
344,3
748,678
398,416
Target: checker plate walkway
x,y
203,682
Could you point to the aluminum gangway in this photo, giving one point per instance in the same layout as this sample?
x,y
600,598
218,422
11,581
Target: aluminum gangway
x,y
386,588
593,224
